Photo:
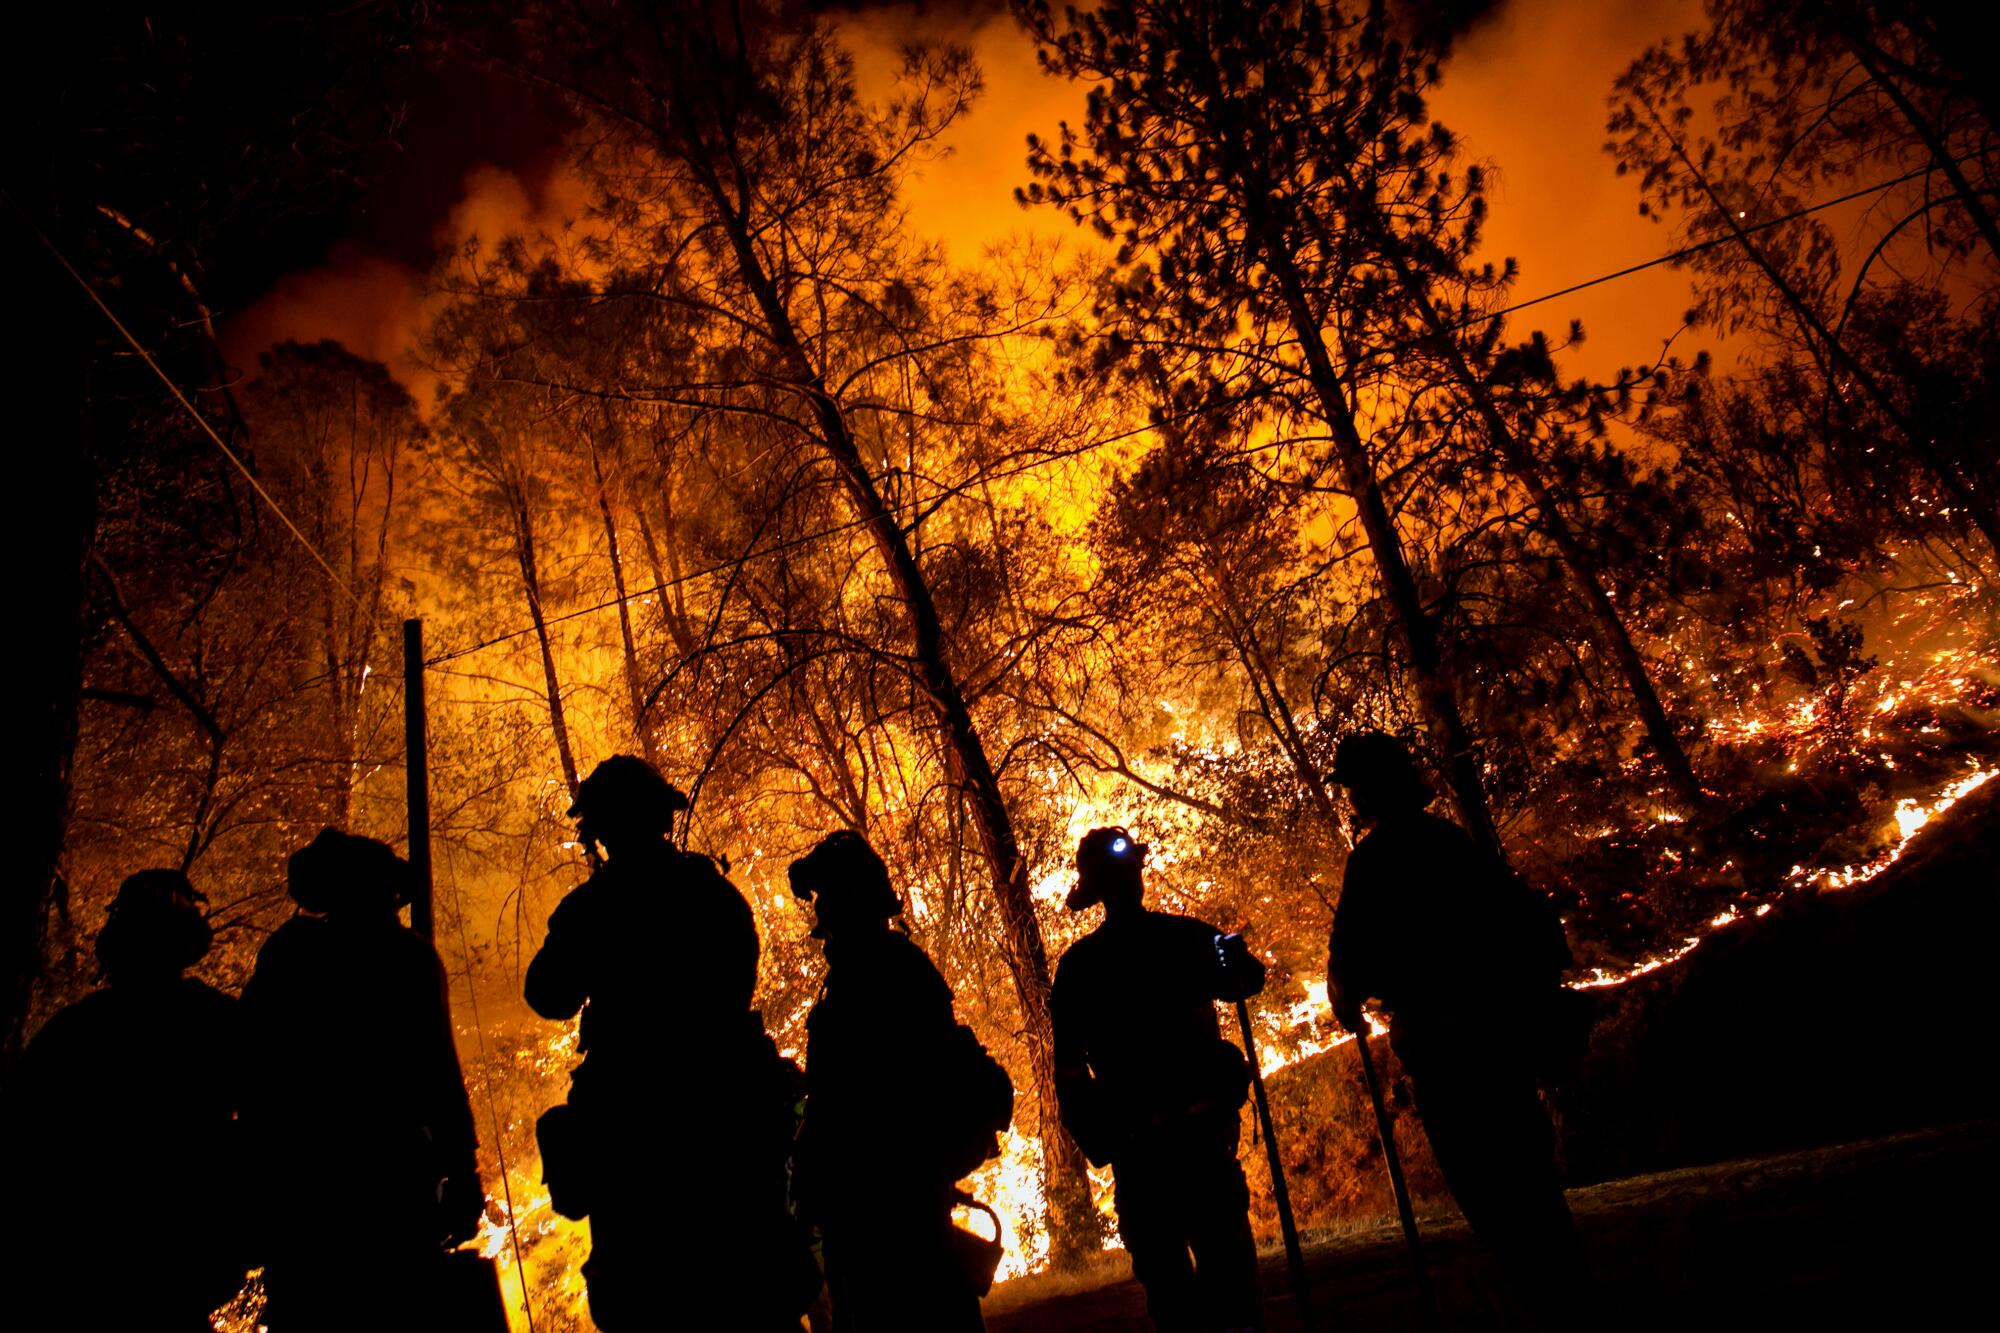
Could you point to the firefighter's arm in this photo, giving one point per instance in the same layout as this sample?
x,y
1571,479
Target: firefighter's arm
x,y
1346,1011
1343,989
743,946
557,984
1546,948
1346,988
1072,1060
461,1194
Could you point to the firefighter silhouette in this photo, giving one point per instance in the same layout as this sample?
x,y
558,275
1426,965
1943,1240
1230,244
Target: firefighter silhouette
x,y
679,1120
356,1101
1147,1083
128,1095
1468,961
900,1103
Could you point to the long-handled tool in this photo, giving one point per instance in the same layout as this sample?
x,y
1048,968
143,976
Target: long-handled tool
x,y
1295,1259
1398,1186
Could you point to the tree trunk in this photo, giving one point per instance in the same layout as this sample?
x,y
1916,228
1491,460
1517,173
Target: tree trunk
x,y
1954,37
1437,696
1610,626
672,602
334,657
1436,692
339,726
1271,701
531,583
53,454
635,688
1073,1225
1611,630
1941,155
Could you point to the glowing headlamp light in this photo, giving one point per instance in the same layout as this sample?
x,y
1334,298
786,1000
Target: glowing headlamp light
x,y
1120,846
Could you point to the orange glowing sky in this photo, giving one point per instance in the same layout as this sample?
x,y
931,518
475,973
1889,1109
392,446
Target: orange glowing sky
x,y
1526,90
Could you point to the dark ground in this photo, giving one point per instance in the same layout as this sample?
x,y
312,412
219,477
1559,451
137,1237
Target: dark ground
x,y
1896,1232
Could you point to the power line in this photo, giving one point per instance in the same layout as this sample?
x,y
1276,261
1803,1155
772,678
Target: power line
x,y
1685,251
806,539
1672,256
182,399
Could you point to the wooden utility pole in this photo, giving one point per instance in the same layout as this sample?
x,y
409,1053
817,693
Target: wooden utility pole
x,y
417,777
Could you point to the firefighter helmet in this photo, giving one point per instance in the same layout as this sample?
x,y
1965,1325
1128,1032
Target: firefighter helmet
x,y
625,794
337,870
1102,854
155,925
846,881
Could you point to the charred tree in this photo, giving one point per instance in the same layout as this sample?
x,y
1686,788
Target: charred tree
x,y
1196,534
1027,956
1520,462
145,149
334,433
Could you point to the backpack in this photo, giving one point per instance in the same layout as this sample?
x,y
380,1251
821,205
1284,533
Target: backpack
x,y
974,1103
1558,1020
569,1160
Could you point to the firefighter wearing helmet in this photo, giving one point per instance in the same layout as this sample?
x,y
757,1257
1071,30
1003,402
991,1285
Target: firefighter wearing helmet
x,y
355,1092
674,1137
1147,1083
1467,959
901,1102
128,1094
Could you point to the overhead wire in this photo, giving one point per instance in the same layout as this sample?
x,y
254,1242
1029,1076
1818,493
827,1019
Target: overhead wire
x,y
1733,237
339,583
1736,236
790,543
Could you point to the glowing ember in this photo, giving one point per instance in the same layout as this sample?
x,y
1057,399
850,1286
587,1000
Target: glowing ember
x,y
552,1247
1911,817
